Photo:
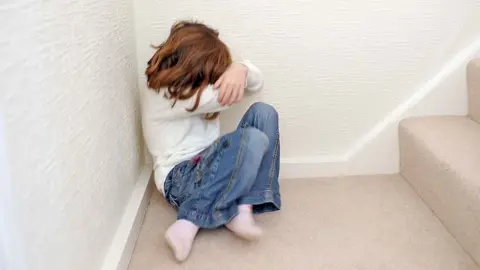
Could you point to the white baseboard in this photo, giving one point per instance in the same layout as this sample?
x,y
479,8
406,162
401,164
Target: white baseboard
x,y
121,249
377,151
309,167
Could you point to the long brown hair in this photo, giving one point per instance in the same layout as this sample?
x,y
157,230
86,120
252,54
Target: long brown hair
x,y
191,58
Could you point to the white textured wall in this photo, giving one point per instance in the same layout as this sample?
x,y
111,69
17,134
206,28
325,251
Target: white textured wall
x,y
69,95
333,68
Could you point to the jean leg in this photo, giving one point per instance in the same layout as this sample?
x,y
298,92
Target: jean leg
x,y
265,193
226,172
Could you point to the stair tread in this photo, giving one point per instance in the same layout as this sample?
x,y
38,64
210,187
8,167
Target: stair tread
x,y
454,140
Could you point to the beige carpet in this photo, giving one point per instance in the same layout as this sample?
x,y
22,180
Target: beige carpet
x,y
369,223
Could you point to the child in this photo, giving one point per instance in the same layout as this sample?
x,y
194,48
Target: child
x,y
211,180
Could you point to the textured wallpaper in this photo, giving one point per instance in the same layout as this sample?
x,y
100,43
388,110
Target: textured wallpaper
x,y
332,68
70,99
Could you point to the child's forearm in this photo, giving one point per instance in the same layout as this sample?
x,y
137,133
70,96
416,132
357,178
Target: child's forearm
x,y
254,77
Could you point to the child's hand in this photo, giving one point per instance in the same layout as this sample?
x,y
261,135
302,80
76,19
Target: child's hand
x,y
231,84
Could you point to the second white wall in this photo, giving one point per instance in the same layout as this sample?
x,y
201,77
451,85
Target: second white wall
x,y
334,69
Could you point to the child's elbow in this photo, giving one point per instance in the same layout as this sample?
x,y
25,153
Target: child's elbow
x,y
256,87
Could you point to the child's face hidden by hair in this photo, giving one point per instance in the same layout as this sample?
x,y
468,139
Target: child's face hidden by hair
x,y
191,58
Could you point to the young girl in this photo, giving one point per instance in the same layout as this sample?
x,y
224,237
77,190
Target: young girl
x,y
211,180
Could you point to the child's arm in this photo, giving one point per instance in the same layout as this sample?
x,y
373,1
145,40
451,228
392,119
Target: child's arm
x,y
208,103
238,77
209,100
254,82
254,77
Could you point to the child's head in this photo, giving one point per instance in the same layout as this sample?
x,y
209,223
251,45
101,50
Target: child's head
x,y
192,57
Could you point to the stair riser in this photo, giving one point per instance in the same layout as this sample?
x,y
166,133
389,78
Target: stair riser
x,y
473,77
438,186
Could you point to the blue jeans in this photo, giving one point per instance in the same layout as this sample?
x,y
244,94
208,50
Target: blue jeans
x,y
238,168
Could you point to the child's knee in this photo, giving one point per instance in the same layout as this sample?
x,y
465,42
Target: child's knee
x,y
256,140
265,110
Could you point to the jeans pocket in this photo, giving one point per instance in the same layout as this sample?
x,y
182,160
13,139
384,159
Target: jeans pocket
x,y
183,180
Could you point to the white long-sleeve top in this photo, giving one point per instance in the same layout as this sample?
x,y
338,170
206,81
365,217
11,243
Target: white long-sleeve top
x,y
174,135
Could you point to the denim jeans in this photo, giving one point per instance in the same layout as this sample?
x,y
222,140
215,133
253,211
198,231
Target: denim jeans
x,y
241,167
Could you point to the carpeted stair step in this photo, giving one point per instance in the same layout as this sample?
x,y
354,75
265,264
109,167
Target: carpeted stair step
x,y
440,158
